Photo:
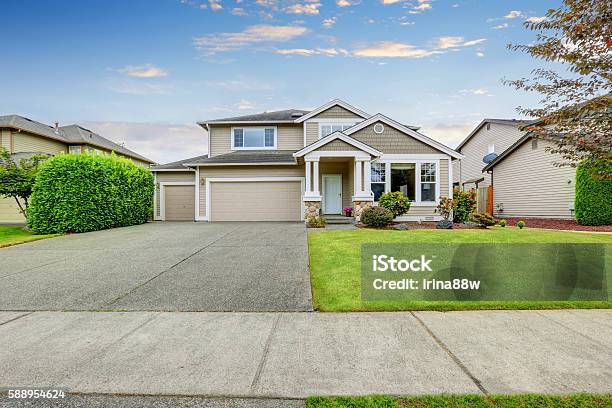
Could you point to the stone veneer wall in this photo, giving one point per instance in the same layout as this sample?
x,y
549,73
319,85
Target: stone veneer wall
x,y
312,209
359,206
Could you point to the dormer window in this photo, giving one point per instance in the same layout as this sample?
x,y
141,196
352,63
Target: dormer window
x,y
327,128
254,138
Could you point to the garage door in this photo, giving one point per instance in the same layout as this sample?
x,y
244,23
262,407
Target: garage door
x,y
256,201
179,203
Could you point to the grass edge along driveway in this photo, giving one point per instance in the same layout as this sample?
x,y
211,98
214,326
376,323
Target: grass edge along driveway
x,y
14,235
467,401
335,266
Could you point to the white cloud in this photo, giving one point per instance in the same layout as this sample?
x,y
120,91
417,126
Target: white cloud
x,y
263,33
535,19
307,52
298,8
388,49
346,3
143,71
238,11
390,1
240,85
151,139
476,91
245,105
480,54
500,26
455,5
455,42
513,14
215,5
449,134
328,22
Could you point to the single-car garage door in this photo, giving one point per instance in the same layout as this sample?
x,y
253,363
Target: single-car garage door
x,y
256,201
179,203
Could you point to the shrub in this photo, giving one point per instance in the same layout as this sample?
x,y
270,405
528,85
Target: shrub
x,y
315,222
593,202
520,224
79,193
445,207
376,216
395,202
483,219
503,223
464,204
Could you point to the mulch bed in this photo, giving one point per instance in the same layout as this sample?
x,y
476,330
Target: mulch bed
x,y
559,224
413,225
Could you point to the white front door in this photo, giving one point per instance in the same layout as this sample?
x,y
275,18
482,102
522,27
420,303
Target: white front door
x,y
332,194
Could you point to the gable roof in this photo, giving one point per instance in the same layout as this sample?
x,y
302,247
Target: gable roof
x,y
512,122
331,104
71,134
282,116
379,117
341,136
508,151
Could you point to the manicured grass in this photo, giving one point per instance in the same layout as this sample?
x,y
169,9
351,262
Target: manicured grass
x,y
13,235
465,401
336,266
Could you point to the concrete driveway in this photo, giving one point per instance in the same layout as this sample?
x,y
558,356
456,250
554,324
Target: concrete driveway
x,y
162,267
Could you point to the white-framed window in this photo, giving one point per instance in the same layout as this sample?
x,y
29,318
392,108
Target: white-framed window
x,y
378,179
428,181
327,128
74,149
254,138
418,180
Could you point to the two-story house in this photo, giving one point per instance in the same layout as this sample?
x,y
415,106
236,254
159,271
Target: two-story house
x,y
24,137
290,164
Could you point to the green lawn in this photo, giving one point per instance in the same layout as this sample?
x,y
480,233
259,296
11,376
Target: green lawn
x,y
465,401
336,266
14,235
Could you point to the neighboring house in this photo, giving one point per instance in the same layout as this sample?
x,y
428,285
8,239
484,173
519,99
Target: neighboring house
x,y
21,135
526,182
490,136
287,165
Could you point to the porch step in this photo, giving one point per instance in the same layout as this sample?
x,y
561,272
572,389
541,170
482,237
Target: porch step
x,y
338,219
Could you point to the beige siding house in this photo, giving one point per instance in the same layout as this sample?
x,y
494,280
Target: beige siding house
x,y
527,183
22,135
491,136
288,165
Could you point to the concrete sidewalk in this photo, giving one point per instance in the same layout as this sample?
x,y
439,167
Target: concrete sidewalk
x,y
295,355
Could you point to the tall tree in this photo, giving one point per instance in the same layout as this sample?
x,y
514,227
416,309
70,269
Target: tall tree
x,y
575,108
17,177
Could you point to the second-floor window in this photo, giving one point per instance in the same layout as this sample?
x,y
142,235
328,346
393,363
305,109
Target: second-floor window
x,y
254,138
329,128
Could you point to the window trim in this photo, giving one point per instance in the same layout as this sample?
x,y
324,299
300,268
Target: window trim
x,y
274,147
417,185
332,122
384,172
76,147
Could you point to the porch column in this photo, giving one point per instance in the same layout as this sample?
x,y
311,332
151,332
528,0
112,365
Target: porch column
x,y
367,177
358,169
308,176
315,165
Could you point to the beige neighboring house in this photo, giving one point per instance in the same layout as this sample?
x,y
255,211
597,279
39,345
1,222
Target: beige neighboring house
x,y
527,184
287,165
491,136
22,136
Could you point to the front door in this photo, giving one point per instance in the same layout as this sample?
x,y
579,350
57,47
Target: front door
x,y
332,194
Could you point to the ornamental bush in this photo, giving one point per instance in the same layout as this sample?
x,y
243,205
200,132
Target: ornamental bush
x,y
593,202
483,219
376,216
464,204
395,202
83,192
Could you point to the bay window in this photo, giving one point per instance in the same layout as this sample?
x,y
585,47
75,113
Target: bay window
x,y
254,138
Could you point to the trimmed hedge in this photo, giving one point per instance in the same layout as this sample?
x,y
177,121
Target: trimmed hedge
x,y
593,202
83,192
376,216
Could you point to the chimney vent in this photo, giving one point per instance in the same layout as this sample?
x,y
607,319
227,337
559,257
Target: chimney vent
x,y
56,131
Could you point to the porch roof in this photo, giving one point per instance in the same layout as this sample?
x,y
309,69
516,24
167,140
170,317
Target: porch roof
x,y
354,143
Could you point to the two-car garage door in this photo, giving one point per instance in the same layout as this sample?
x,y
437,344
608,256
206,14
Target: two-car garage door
x,y
255,201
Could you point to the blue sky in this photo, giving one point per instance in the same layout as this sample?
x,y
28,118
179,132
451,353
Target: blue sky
x,y
143,72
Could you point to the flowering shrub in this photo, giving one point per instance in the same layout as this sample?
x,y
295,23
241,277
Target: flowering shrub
x,y
445,207
464,204
395,202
